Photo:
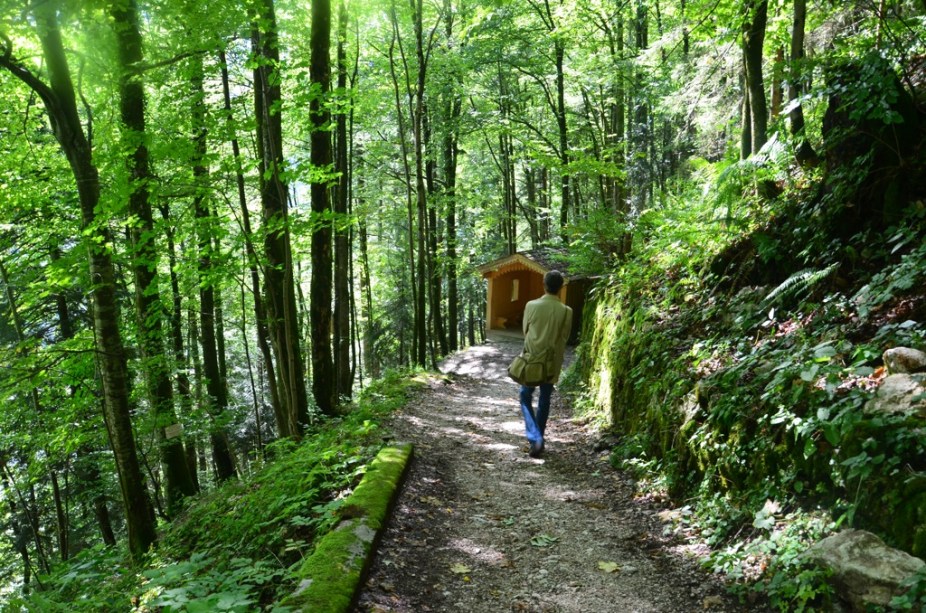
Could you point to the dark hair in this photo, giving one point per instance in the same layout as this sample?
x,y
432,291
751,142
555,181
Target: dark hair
x,y
553,281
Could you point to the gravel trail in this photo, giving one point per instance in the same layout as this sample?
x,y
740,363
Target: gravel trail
x,y
481,528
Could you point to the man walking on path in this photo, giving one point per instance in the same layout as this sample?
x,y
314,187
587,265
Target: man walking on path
x,y
547,323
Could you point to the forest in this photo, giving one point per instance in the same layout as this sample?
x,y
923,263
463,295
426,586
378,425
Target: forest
x,y
231,231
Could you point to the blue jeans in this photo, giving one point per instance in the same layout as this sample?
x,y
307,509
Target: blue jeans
x,y
536,423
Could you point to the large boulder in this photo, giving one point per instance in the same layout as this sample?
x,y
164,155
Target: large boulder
x,y
900,360
900,394
866,572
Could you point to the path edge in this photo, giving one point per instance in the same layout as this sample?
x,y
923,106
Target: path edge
x,y
331,578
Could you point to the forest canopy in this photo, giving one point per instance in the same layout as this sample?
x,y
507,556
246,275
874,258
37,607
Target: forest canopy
x,y
220,219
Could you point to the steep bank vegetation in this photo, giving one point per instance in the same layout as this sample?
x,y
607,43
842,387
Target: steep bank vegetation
x,y
737,372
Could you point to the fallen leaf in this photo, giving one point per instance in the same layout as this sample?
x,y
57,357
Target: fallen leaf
x,y
609,567
712,601
543,540
460,569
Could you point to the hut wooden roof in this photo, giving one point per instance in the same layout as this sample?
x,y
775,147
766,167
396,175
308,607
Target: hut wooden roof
x,y
538,260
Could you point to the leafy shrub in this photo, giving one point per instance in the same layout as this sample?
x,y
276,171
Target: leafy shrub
x,y
234,548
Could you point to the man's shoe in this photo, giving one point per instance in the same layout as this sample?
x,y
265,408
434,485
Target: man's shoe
x,y
535,450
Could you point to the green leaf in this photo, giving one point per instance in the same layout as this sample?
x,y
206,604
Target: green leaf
x,y
544,540
810,374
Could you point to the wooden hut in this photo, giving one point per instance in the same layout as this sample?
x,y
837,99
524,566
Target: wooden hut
x,y
515,279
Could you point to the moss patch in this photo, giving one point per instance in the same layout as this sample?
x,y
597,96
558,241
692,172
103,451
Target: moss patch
x,y
330,578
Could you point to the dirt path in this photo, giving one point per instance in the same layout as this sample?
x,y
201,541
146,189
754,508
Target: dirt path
x,y
481,527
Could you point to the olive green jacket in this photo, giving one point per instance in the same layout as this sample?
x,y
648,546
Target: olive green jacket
x,y
547,323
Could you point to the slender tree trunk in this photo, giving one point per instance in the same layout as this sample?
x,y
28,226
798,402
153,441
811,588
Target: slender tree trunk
x,y
805,154
371,364
453,108
61,517
176,328
777,89
746,121
434,267
216,390
282,316
60,102
19,537
421,331
148,311
342,286
260,320
255,393
560,52
324,385
409,192
753,44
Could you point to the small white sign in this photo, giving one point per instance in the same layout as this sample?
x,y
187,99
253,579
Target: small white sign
x,y
173,431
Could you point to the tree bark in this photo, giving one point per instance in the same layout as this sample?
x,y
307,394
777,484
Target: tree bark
x,y
216,390
260,319
421,331
148,311
409,192
452,110
60,103
753,44
324,386
176,332
342,286
282,316
804,153
434,268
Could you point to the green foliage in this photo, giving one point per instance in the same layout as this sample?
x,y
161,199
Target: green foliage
x,y
238,547
914,596
730,404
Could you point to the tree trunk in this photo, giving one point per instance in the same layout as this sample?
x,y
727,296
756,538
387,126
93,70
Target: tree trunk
x,y
409,192
342,286
421,331
61,518
753,43
282,316
255,394
324,387
216,390
452,110
19,537
434,267
60,103
560,52
260,320
777,91
371,364
148,312
746,121
176,328
804,154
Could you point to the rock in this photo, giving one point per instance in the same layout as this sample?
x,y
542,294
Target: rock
x,y
900,394
901,360
866,572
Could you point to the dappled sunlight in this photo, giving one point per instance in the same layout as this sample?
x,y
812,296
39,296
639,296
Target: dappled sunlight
x,y
563,493
506,447
479,552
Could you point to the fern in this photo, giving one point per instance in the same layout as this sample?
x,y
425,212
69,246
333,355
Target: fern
x,y
799,282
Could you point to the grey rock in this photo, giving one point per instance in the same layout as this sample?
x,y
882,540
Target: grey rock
x,y
900,394
866,572
904,360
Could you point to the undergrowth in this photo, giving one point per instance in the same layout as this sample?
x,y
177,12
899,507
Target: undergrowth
x,y
745,403
235,548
